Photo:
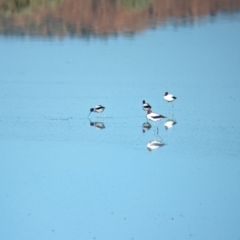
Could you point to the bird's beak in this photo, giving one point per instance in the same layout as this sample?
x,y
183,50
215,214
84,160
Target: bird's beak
x,y
89,113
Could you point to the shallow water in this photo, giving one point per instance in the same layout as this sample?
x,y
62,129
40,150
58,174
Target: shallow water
x,y
63,178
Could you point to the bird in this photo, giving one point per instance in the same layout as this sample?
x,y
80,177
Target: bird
x,y
97,109
146,106
154,116
154,144
169,97
169,123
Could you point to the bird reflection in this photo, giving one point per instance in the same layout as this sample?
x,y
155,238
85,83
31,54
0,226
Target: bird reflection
x,y
169,123
146,126
98,125
154,144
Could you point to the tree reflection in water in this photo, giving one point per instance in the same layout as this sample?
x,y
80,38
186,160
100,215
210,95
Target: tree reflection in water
x,y
102,18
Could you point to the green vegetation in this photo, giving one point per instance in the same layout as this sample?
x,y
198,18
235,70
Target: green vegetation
x,y
25,6
135,4
8,7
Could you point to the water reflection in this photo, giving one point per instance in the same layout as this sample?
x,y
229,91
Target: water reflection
x,y
98,125
170,123
146,126
102,18
154,144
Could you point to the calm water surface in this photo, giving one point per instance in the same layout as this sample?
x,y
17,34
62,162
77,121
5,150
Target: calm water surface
x,y
64,178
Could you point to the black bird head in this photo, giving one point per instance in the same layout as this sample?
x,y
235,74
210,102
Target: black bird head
x,y
91,110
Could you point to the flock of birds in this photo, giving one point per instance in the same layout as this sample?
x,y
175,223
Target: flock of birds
x,y
155,116
152,116
146,107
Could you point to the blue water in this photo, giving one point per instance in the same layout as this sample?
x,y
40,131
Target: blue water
x,y
62,178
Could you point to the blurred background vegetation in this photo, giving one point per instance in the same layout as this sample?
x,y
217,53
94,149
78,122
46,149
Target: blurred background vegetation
x,y
102,17
28,6
135,4
25,6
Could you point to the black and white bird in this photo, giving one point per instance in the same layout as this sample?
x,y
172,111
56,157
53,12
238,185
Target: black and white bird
x,y
146,106
97,109
154,116
169,97
154,144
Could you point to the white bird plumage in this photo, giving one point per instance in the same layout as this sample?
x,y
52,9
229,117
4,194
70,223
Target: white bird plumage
x,y
146,106
97,109
169,97
154,116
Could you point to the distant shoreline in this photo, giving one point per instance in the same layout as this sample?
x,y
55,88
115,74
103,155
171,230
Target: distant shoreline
x,y
61,18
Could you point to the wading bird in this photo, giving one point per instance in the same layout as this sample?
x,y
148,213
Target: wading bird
x,y
97,109
146,106
169,97
154,116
